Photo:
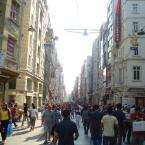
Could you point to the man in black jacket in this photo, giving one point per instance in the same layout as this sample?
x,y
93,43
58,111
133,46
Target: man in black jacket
x,y
66,131
95,125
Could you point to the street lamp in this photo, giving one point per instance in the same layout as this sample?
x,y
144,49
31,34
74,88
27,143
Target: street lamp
x,y
142,31
85,31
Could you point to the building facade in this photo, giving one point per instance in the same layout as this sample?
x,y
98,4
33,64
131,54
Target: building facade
x,y
29,86
10,25
54,89
129,64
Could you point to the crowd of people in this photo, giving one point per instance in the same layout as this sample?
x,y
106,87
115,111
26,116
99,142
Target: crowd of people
x,y
113,125
107,125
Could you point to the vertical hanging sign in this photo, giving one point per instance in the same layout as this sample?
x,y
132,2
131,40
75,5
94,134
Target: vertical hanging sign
x,y
117,24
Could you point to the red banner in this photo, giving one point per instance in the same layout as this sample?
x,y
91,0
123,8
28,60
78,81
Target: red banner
x,y
117,24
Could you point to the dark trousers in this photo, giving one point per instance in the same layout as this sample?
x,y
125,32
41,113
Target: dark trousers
x,y
97,140
4,127
120,134
14,120
127,132
107,140
86,126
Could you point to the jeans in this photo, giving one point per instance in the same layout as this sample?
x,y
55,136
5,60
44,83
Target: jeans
x,y
4,127
14,120
108,140
120,136
25,117
86,126
97,140
137,140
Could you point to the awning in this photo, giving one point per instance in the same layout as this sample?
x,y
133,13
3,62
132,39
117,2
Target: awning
x,y
8,74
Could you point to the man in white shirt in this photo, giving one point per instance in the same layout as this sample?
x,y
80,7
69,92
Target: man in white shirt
x,y
109,124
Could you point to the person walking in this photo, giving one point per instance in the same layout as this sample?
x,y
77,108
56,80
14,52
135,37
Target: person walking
x,y
137,136
120,115
85,120
109,125
95,125
48,120
33,116
78,119
13,114
25,115
57,115
128,125
5,118
66,131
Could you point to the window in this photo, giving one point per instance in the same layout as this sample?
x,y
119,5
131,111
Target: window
x,y
1,87
39,34
12,84
14,10
35,86
135,51
38,68
134,8
41,16
11,44
136,73
120,76
38,52
30,42
29,61
135,26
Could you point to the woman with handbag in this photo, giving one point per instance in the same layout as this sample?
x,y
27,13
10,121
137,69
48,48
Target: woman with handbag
x,y
5,117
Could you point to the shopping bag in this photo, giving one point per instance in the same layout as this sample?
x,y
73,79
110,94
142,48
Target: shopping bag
x,y
9,129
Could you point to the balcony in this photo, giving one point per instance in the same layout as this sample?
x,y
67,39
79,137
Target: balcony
x,y
12,27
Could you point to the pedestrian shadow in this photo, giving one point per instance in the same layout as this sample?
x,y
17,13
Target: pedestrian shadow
x,y
19,129
38,126
46,144
36,137
21,133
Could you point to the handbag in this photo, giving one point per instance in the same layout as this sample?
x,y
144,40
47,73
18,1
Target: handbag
x,y
9,129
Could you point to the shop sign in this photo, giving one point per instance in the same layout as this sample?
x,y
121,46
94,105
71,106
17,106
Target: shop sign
x,y
134,42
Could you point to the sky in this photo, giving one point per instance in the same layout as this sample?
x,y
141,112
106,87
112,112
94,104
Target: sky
x,y
73,48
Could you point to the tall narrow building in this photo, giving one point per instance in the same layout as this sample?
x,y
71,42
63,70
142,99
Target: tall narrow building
x,y
34,27
23,44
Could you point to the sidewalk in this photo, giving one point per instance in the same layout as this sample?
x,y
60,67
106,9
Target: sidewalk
x,y
22,135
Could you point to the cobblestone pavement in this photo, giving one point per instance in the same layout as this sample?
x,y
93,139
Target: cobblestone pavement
x,y
23,136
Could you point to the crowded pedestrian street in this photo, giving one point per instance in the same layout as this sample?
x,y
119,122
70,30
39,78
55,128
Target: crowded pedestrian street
x,y
72,72
23,136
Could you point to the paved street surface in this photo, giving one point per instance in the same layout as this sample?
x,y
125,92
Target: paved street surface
x,y
23,136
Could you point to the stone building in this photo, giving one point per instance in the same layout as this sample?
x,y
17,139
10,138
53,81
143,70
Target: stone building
x,y
10,27
23,27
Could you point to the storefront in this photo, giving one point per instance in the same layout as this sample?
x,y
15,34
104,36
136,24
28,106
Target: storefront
x,y
140,101
6,75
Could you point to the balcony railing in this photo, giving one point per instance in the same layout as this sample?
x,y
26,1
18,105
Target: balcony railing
x,y
12,27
